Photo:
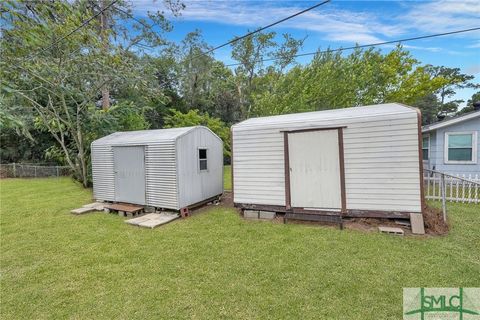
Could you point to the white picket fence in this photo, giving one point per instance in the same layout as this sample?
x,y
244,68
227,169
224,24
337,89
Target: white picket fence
x,y
460,188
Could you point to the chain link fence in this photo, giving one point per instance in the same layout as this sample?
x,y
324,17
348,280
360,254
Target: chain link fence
x,y
16,170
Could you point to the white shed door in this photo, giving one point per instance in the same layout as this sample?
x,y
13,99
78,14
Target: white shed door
x,y
129,174
315,169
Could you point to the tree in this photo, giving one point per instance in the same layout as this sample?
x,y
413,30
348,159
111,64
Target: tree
x,y
54,74
469,107
450,79
429,106
177,119
250,52
333,80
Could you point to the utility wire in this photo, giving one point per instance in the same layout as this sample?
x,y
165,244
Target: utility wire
x,y
83,24
368,45
261,29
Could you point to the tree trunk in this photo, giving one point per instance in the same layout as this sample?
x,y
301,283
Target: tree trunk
x,y
81,159
104,36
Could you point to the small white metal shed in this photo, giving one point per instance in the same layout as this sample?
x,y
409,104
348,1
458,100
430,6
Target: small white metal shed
x,y
167,168
361,161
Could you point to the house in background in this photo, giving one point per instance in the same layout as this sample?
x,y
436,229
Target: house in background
x,y
453,145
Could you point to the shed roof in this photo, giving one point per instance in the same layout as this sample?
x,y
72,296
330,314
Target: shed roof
x,y
143,136
344,113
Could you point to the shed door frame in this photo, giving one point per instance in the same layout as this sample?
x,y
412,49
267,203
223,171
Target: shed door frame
x,y
119,197
288,198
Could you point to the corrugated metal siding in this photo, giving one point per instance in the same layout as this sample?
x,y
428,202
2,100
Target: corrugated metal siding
x,y
161,165
161,173
103,173
196,185
381,158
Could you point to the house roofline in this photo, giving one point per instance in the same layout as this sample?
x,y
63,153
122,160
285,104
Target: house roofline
x,y
449,122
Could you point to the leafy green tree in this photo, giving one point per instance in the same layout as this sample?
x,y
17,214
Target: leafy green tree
x,y
333,80
203,82
57,76
429,105
450,79
251,76
469,107
178,119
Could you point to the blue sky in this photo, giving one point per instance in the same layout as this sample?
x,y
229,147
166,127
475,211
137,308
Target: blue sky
x,y
340,23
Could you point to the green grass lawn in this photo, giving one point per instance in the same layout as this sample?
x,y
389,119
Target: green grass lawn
x,y
227,177
212,265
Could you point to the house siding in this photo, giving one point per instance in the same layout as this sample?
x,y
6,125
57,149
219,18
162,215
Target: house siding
x,y
428,164
437,141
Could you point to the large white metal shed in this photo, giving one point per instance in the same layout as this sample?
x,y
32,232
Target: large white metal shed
x,y
361,161
167,168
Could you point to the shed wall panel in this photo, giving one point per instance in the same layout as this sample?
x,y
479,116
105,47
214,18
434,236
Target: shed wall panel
x,y
167,152
103,173
196,185
161,173
374,159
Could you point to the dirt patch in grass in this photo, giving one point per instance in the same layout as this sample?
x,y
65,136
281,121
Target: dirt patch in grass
x,y
433,220
434,224
371,224
226,199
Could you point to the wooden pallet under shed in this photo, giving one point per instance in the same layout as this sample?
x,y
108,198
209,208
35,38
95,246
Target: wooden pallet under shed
x,y
125,209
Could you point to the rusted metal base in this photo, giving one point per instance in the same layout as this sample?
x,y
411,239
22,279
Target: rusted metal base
x,y
351,213
378,214
314,217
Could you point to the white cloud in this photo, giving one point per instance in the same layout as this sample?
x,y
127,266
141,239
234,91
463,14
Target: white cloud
x,y
475,45
430,49
443,16
330,21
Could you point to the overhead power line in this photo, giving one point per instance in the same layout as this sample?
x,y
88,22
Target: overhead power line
x,y
261,29
368,45
83,24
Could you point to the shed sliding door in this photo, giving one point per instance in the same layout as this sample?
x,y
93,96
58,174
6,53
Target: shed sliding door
x,y
315,169
129,174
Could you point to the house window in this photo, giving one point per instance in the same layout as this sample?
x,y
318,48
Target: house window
x,y
460,147
426,147
202,159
